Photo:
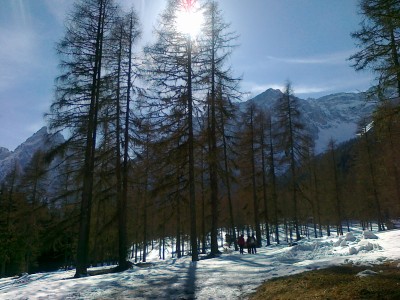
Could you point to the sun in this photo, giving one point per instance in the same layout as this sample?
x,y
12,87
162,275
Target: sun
x,y
189,21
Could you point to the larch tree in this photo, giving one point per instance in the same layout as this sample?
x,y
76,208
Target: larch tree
x,y
120,64
171,71
262,124
8,207
386,128
79,95
294,142
336,187
34,184
379,40
369,161
226,119
216,43
248,165
272,173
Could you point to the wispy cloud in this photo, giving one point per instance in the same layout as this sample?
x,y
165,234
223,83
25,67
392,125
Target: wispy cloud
x,y
331,58
312,89
18,50
58,9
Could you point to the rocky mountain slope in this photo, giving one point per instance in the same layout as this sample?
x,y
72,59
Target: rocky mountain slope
x,y
334,116
22,155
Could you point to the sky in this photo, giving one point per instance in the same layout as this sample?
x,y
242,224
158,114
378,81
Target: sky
x,y
230,276
305,41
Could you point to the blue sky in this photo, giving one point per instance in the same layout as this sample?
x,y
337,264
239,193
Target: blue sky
x,y
305,41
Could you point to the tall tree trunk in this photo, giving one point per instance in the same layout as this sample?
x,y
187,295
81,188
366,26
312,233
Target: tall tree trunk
x,y
264,179
272,175
146,183
88,177
293,169
203,207
213,149
253,178
374,183
192,188
227,180
337,197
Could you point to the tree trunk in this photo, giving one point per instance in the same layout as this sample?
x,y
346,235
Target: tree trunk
x,y
87,189
192,190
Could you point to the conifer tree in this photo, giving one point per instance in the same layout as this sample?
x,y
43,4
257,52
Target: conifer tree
x,y
78,99
294,142
125,34
249,164
379,41
216,43
171,72
369,161
337,197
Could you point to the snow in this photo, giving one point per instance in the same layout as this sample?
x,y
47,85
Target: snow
x,y
230,276
366,273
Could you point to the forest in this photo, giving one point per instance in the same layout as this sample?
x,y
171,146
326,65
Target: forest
x,y
159,147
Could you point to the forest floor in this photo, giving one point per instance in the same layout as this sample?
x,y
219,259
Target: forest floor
x,y
339,282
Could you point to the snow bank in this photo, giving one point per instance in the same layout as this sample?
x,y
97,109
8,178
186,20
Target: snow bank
x,y
369,235
350,237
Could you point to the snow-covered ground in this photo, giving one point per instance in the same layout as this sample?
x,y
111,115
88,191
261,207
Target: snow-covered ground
x,y
230,276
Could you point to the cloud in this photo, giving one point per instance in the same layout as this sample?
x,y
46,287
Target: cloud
x,y
330,58
19,49
58,9
312,89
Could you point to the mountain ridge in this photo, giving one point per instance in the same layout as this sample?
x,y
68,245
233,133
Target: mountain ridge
x,y
333,116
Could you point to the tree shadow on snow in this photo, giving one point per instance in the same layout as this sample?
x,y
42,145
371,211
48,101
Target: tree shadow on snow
x,y
186,290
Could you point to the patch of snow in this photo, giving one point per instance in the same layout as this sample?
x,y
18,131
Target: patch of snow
x,y
366,273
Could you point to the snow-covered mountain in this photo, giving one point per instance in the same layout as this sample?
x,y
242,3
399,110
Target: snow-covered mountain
x,y
333,116
22,155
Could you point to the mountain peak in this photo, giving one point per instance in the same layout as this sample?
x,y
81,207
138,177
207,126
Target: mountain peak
x,y
41,140
269,96
271,93
36,139
4,152
41,132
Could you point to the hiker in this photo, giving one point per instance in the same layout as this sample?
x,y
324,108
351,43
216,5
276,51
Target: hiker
x,y
248,244
241,243
253,244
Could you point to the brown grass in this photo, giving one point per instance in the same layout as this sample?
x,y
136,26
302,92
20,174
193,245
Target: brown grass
x,y
335,283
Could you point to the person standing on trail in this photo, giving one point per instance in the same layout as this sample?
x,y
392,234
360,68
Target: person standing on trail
x,y
248,244
241,243
253,244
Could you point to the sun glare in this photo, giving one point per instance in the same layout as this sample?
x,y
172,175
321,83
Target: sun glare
x,y
189,21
